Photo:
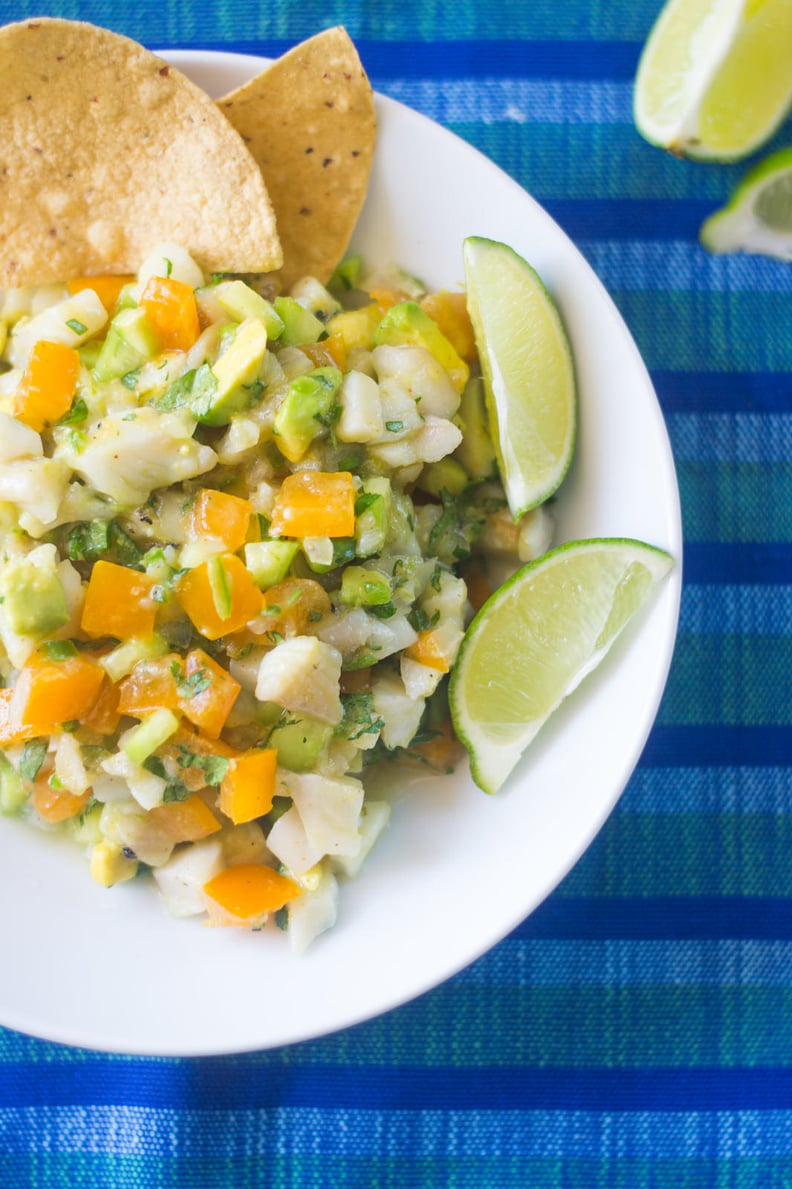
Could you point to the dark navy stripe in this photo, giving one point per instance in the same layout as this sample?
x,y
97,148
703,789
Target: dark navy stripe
x,y
661,918
752,564
216,1084
717,746
724,392
627,218
470,59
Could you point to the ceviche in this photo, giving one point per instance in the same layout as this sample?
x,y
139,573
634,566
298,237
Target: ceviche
x,y
242,536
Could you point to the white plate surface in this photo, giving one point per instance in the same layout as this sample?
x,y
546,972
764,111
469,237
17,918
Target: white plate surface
x,y
456,870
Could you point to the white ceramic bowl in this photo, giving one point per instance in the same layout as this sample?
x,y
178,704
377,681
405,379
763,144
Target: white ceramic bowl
x,y
456,870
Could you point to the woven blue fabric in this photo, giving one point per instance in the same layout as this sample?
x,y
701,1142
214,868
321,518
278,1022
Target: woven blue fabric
x,y
634,1033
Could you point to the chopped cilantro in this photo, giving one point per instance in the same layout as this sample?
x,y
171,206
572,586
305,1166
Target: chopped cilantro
x,y
76,325
33,755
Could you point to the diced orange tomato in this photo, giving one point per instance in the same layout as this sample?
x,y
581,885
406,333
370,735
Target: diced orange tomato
x,y
290,606
118,602
56,805
330,352
387,295
103,716
221,516
315,504
426,650
442,751
48,694
248,786
195,686
208,708
48,385
106,288
197,598
450,312
245,895
151,686
186,821
171,309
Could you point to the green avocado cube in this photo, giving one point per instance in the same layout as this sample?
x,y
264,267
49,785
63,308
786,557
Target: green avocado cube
x,y
299,324
130,341
305,411
409,324
235,373
33,600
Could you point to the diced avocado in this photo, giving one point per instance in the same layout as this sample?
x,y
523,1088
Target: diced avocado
x,y
13,793
363,586
408,322
372,512
269,561
356,327
153,731
299,324
299,743
475,451
235,372
33,600
89,353
130,341
240,302
122,660
347,275
109,865
445,475
306,409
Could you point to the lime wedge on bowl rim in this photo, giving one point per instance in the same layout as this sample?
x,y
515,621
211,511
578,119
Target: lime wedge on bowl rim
x,y
529,376
714,79
537,637
758,216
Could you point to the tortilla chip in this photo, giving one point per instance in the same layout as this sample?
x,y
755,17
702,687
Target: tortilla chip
x,y
107,151
309,121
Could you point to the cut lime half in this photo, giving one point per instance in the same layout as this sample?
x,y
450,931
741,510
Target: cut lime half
x,y
526,364
714,80
535,640
758,216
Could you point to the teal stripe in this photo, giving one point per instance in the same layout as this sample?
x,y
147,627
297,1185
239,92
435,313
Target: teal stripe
x,y
710,854
738,502
386,1171
592,161
744,331
747,667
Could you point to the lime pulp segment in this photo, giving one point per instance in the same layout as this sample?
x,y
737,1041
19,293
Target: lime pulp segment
x,y
535,640
758,217
527,368
714,80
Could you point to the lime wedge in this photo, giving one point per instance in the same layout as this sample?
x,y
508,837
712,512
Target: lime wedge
x,y
529,377
714,80
536,638
758,217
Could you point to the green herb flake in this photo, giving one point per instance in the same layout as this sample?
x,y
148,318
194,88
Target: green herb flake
x,y
33,755
59,650
77,326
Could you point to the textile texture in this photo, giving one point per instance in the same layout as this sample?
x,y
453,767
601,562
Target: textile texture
x,y
636,1031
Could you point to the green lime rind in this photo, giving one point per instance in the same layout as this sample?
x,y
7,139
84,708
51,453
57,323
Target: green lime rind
x,y
528,371
537,637
758,217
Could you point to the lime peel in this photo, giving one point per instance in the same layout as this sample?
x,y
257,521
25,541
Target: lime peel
x,y
527,369
537,638
758,216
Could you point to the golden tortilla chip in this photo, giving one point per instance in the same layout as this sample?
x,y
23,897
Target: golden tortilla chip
x,y
106,151
309,121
